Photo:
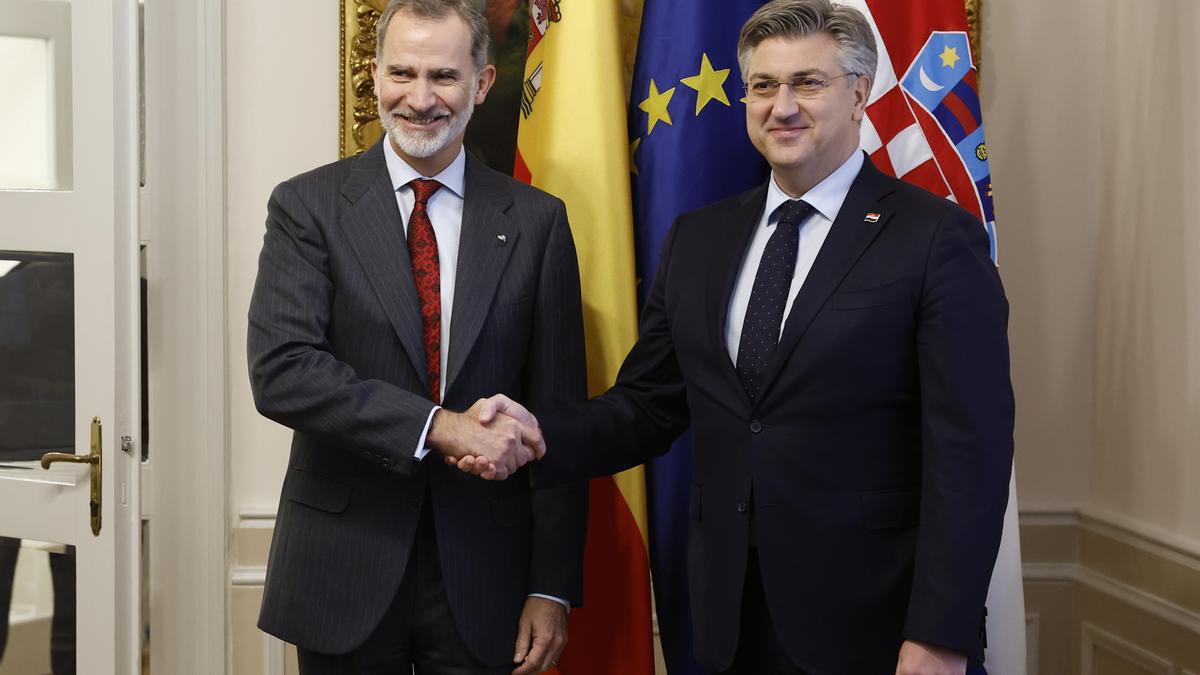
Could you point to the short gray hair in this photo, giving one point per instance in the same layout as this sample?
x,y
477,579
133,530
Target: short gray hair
x,y
848,27
467,10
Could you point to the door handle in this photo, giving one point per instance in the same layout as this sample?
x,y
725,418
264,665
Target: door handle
x,y
96,459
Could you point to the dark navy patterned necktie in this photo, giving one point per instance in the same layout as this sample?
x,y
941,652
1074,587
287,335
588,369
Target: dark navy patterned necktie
x,y
768,298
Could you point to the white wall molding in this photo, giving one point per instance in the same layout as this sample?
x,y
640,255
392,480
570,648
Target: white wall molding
x,y
1147,602
1094,639
1033,643
246,575
1128,531
274,655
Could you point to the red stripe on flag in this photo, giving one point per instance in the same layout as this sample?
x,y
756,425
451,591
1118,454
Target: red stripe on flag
x,y
883,161
946,155
966,119
890,114
616,593
927,176
905,26
520,171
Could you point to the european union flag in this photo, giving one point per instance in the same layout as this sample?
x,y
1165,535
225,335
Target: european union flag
x,y
687,127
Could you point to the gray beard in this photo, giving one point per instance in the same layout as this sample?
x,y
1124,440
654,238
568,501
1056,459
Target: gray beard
x,y
426,143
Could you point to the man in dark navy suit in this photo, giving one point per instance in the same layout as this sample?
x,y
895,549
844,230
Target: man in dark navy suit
x,y
837,341
395,288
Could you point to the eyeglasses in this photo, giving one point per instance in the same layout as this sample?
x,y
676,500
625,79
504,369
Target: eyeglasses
x,y
802,87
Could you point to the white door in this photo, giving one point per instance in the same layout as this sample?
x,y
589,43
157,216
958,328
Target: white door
x,y
69,548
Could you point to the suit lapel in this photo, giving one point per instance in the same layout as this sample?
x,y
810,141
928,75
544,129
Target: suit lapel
x,y
725,258
849,237
482,257
376,233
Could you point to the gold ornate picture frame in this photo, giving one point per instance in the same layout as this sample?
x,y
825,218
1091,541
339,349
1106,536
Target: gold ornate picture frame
x,y
358,119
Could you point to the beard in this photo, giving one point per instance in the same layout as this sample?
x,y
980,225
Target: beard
x,y
426,143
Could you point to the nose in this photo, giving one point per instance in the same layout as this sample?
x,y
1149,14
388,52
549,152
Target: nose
x,y
784,103
420,94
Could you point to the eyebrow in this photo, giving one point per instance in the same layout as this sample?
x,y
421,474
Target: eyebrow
x,y
409,71
807,72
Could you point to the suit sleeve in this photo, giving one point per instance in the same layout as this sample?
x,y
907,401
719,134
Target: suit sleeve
x,y
556,375
967,436
294,377
639,417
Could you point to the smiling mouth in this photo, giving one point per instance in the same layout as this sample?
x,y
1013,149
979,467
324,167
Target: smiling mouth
x,y
422,121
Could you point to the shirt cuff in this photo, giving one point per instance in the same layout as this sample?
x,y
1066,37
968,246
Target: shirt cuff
x,y
421,449
566,605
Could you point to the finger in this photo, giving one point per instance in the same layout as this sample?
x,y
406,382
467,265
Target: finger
x,y
525,455
524,639
539,655
532,437
450,460
467,464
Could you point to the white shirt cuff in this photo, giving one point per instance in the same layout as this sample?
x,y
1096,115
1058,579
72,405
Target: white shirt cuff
x,y
421,449
566,605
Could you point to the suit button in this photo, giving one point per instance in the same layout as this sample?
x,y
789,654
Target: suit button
x,y
755,426
741,507
414,505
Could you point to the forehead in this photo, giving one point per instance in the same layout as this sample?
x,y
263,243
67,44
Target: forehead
x,y
441,41
784,56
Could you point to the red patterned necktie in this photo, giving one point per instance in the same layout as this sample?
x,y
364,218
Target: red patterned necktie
x,y
422,250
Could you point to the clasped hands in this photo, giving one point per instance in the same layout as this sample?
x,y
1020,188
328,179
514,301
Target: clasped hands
x,y
491,439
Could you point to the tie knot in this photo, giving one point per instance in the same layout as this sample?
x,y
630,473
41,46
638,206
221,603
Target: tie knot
x,y
793,211
424,188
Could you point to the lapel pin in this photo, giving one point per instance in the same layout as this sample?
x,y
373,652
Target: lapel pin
x,y
872,218
503,238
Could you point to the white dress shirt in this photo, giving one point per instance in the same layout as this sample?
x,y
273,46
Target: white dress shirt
x,y
445,209
826,198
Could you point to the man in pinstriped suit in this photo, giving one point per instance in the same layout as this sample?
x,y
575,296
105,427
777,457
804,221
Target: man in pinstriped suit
x,y
391,284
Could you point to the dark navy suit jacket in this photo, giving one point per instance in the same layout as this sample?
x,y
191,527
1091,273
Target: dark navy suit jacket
x,y
336,353
876,461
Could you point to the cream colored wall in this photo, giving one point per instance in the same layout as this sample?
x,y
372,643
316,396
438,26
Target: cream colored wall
x,y
1147,415
281,96
1090,110
1043,150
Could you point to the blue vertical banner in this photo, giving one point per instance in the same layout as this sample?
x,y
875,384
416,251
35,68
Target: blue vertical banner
x,y
688,148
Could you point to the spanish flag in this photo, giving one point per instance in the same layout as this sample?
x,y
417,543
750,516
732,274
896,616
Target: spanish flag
x,y
571,142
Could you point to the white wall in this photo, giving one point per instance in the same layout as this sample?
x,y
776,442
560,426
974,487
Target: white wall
x,y
282,101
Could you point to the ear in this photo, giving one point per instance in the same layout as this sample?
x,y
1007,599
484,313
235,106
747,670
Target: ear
x,y
862,94
375,75
484,81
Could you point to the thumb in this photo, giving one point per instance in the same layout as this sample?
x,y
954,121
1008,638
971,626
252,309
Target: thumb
x,y
490,407
524,638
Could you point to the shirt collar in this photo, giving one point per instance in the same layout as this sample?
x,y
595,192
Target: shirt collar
x,y
828,195
453,177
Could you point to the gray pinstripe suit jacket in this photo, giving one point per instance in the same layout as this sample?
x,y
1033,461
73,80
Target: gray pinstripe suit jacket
x,y
335,353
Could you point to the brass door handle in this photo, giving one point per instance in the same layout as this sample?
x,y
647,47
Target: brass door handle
x,y
96,459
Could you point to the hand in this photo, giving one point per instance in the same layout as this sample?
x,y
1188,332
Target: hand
x,y
501,446
918,658
495,410
541,636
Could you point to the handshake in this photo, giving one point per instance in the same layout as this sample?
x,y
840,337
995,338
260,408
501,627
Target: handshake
x,y
492,439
